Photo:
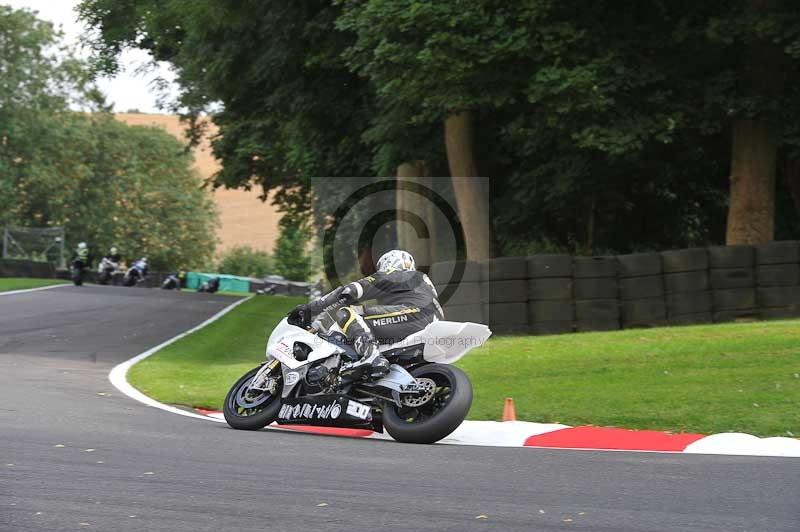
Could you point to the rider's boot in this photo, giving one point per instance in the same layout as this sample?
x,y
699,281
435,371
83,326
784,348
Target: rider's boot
x,y
365,345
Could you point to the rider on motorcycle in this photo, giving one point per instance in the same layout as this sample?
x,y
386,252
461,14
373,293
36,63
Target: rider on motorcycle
x,y
141,264
406,303
113,255
81,257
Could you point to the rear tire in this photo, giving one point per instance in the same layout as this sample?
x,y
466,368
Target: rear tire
x,y
438,417
263,408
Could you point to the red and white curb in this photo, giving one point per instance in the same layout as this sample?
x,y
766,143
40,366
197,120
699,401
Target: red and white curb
x,y
509,433
557,436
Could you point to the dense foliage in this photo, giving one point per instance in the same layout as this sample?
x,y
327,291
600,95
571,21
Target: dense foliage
x,y
245,261
107,183
604,126
292,256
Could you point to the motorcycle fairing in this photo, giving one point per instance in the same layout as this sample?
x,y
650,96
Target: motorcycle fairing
x,y
335,410
445,342
281,345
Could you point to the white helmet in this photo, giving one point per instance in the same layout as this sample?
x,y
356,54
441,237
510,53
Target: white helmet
x,y
81,245
396,259
113,250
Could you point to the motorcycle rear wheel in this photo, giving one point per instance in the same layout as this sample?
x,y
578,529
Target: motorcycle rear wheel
x,y
437,418
250,412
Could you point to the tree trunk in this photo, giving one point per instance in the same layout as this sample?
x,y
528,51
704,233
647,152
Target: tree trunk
x,y
423,249
472,202
751,212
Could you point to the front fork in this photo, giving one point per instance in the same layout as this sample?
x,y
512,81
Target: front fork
x,y
262,381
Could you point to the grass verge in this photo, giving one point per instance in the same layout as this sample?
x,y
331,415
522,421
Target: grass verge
x,y
23,283
198,370
717,378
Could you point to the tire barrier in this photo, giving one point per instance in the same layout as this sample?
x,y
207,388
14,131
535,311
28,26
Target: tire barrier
x,y
786,252
551,307
596,293
778,277
446,272
684,260
545,266
591,267
504,293
731,257
641,290
558,293
687,294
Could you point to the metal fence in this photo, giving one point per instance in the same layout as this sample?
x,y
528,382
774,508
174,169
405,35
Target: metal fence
x,y
45,244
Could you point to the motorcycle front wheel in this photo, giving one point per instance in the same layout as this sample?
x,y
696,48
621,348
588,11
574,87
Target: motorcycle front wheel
x,y
449,399
246,409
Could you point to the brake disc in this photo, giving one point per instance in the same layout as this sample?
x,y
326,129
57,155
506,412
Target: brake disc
x,y
426,389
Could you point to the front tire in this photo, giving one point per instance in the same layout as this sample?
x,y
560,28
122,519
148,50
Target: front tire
x,y
439,416
250,412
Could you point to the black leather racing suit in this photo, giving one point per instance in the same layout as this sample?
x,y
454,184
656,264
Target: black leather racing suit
x,y
406,302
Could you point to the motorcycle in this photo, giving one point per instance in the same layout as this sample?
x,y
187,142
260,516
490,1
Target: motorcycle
x,y
76,270
174,281
106,270
422,399
135,274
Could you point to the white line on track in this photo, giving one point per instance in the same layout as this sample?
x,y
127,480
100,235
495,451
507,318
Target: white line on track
x,y
26,290
118,375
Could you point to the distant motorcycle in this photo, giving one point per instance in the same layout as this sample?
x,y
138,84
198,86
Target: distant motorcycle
x,y
106,270
175,280
76,270
211,286
136,274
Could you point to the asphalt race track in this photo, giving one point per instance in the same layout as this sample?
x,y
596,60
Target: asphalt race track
x,y
73,459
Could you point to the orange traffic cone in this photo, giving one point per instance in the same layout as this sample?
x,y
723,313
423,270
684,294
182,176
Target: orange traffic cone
x,y
509,412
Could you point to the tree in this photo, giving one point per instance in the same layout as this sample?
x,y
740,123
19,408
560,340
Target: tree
x,y
442,62
112,184
105,182
245,261
287,107
291,256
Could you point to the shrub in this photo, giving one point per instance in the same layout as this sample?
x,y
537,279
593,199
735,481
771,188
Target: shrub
x,y
245,261
292,259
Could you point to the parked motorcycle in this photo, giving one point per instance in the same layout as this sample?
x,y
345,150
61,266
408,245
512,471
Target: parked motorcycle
x,y
136,274
106,270
422,399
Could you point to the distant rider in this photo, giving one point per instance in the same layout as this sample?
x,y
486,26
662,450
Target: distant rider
x,y
114,255
406,303
81,258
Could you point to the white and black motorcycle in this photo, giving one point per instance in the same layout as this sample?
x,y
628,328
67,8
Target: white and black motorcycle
x,y
421,400
106,270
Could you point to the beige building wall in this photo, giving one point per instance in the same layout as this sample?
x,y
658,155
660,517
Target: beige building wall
x,y
244,219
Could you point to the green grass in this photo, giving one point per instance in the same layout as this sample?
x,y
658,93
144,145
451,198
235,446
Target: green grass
x,y
737,377
22,283
199,369
715,378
